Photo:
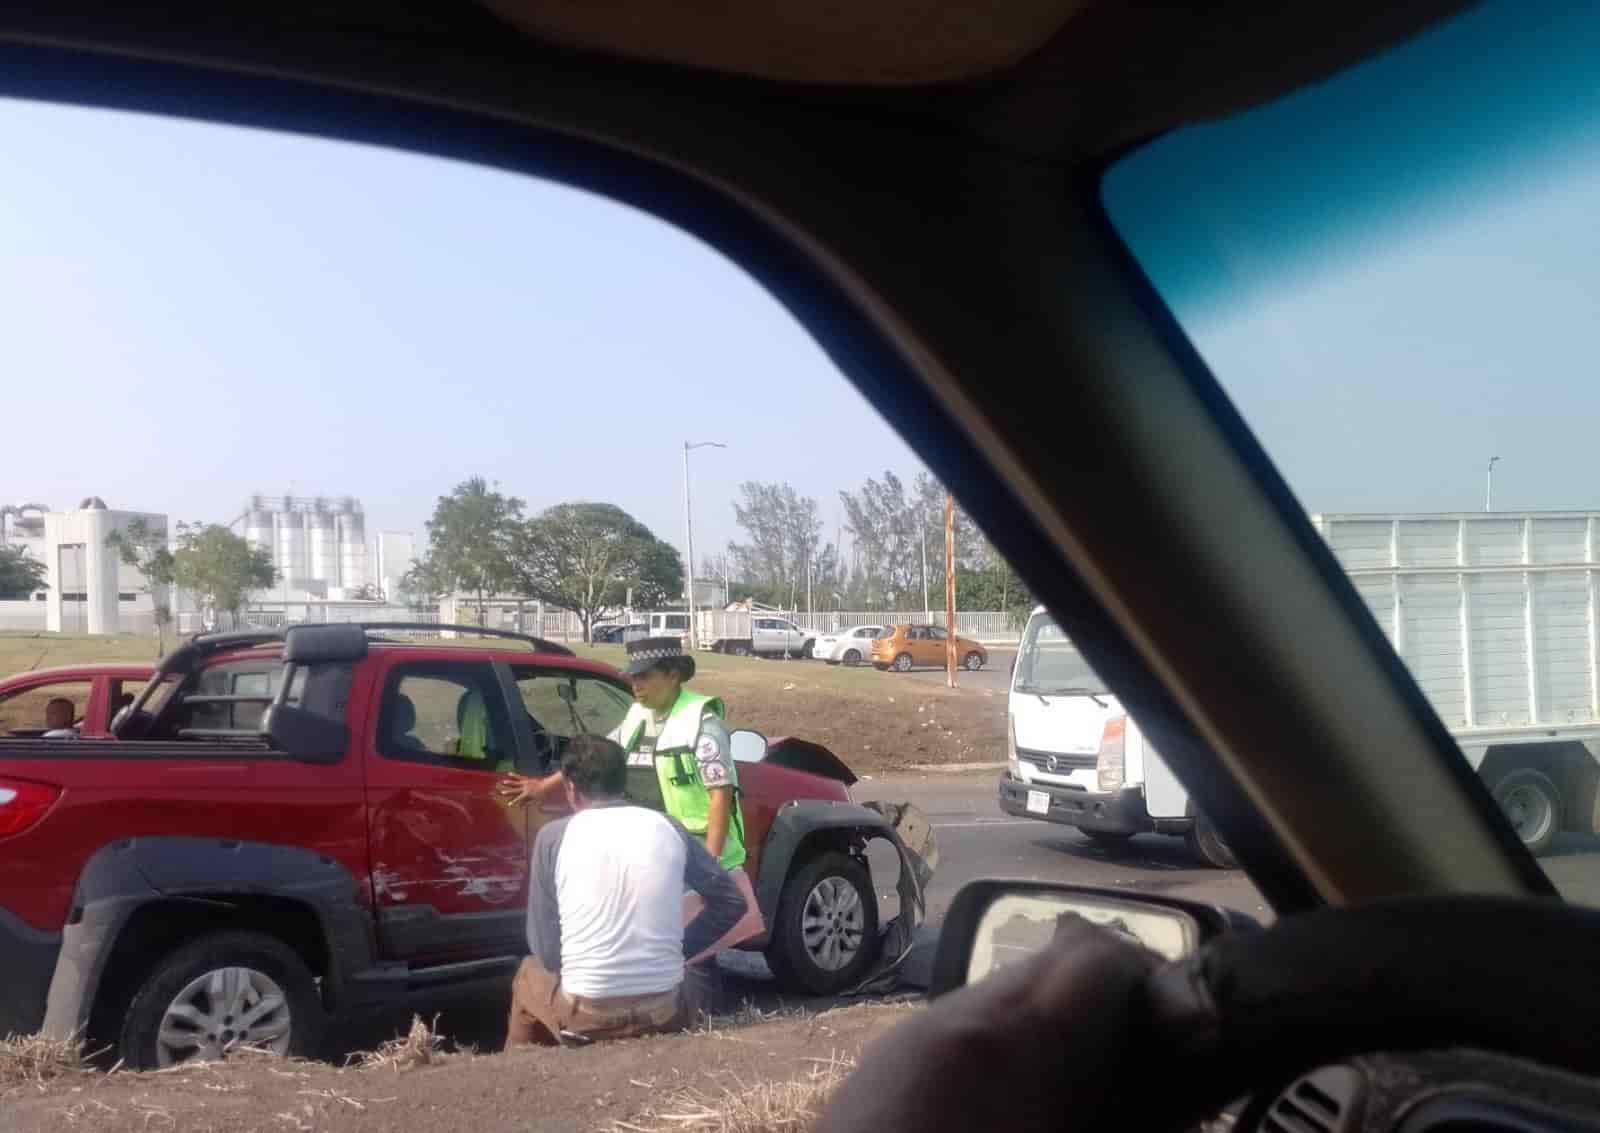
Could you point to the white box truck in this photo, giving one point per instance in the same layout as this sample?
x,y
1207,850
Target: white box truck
x,y
1494,613
755,631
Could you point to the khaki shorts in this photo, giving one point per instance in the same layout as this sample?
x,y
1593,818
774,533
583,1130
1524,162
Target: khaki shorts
x,y
541,1010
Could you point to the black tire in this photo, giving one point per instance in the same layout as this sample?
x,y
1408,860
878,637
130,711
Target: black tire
x,y
1206,844
1532,803
809,648
852,656
1108,840
740,650
902,663
792,962
172,973
972,662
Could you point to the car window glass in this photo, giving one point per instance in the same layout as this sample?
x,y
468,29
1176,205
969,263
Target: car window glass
x,y
935,633
253,678
561,705
25,711
452,712
1393,276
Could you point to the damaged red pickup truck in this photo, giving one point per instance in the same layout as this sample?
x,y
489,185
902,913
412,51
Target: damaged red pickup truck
x,y
298,824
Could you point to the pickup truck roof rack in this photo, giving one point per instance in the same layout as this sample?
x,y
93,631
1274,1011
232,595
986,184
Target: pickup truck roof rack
x,y
306,642
183,658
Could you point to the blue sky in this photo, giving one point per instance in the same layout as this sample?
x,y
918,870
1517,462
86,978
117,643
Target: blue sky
x,y
1396,275
195,312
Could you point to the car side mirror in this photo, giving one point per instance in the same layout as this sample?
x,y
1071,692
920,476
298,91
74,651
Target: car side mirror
x,y
748,746
994,923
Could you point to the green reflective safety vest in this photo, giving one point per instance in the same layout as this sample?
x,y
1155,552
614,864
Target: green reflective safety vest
x,y
472,727
683,792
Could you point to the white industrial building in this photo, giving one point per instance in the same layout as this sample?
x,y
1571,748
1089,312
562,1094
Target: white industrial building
x,y
89,588
318,544
396,552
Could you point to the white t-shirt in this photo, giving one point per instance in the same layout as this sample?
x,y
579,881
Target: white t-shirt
x,y
615,926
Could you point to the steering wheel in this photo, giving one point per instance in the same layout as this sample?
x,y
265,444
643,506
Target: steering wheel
x,y
1257,1008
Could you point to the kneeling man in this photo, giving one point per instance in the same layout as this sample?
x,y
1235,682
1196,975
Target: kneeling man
x,y
605,911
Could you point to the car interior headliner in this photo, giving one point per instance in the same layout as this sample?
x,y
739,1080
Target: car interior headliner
x,y
1065,79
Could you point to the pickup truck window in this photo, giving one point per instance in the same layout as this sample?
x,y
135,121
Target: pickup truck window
x,y
446,712
255,677
22,712
567,704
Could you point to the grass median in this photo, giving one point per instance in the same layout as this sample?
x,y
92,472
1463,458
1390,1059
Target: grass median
x,y
876,722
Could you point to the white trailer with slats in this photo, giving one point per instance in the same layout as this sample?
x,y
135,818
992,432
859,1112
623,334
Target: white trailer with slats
x,y
1496,616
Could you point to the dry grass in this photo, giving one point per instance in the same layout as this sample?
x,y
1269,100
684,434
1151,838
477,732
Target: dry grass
x,y
34,1062
421,1046
788,1106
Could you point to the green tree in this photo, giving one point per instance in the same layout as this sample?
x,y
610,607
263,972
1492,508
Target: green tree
x,y
470,538
585,556
143,545
219,567
785,544
423,586
20,573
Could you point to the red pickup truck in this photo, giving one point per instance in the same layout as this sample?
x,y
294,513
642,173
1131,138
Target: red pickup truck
x,y
298,824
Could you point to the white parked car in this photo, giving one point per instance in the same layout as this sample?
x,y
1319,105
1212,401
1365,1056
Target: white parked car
x,y
849,646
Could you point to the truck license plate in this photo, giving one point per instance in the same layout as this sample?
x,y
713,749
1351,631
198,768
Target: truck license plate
x,y
1038,802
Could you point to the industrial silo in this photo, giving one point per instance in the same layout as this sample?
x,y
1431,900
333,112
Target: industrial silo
x,y
258,530
292,556
322,540
352,545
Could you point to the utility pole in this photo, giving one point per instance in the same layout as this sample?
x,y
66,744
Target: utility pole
x,y
688,528
1488,484
927,611
950,589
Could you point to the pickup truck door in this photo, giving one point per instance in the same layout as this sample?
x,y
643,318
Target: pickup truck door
x,y
763,638
449,861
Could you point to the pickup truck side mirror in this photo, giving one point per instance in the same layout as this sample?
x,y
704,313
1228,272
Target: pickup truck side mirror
x,y
993,923
304,735
748,746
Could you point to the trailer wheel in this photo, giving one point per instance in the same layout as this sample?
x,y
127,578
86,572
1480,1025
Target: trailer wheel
x,y
1206,844
1533,804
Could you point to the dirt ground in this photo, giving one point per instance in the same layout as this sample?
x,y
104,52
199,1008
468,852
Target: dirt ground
x,y
876,722
731,1078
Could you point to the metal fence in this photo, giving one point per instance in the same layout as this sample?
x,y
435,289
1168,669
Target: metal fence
x,y
992,627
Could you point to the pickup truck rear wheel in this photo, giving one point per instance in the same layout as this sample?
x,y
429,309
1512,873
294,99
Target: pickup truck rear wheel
x,y
218,991
825,934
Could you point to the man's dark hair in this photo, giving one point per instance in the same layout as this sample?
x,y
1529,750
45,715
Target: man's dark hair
x,y
596,767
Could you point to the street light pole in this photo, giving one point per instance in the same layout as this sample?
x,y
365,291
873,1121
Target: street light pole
x,y
1488,484
688,528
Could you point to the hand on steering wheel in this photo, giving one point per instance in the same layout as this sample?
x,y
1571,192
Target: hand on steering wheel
x,y
1037,1045
1095,1033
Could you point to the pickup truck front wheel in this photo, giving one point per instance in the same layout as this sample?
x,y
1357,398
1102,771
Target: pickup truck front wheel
x,y
220,991
825,934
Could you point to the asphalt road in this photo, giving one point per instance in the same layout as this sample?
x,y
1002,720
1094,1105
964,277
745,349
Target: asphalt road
x,y
996,675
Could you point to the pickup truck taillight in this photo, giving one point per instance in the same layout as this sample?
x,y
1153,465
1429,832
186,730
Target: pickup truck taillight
x,y
1108,762
22,803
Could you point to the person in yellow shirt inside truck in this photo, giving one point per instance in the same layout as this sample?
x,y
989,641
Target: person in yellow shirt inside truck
x,y
681,734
